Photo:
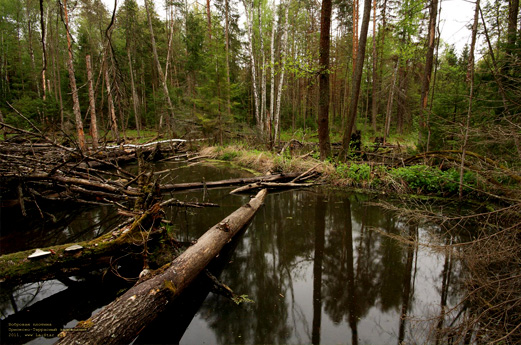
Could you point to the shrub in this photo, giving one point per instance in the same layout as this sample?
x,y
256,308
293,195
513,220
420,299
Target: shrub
x,y
425,179
355,172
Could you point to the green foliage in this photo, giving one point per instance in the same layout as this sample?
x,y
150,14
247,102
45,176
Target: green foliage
x,y
354,171
229,155
425,179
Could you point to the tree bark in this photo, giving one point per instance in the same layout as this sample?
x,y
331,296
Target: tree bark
x,y
209,19
123,319
44,51
15,268
374,99
323,112
227,47
249,31
429,60
357,78
72,83
110,101
92,103
134,95
470,80
226,183
162,80
283,55
272,67
513,11
265,126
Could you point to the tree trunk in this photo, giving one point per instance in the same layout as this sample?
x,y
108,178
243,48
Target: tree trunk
x,y
110,101
249,19
92,104
134,95
283,54
374,99
272,69
265,127
15,268
162,80
431,38
227,47
390,101
357,78
513,11
209,19
355,33
470,80
323,113
44,51
225,183
72,83
123,319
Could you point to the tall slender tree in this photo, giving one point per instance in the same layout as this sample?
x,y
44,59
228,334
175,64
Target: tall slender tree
x,y
429,61
357,79
323,112
72,83
92,104
171,116
470,80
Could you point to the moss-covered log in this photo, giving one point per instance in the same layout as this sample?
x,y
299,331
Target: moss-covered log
x,y
17,268
121,321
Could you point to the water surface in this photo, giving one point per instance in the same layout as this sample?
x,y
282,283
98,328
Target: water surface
x,y
312,262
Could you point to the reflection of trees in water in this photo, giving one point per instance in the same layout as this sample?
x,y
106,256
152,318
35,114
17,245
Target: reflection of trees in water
x,y
355,269
66,225
361,267
262,267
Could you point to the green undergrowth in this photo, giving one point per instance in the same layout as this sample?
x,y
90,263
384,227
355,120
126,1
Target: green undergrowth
x,y
415,179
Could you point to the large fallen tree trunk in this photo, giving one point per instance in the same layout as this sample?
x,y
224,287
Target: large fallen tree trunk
x,y
121,321
18,268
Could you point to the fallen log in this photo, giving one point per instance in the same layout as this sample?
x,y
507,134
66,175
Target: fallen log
x,y
17,268
226,183
122,320
270,185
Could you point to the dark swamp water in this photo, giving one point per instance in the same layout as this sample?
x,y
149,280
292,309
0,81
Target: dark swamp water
x,y
311,262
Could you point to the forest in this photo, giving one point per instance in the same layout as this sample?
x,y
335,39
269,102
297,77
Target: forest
x,y
230,70
348,93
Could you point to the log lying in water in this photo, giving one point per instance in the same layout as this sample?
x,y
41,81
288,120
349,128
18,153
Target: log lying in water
x,y
17,268
226,183
270,185
121,321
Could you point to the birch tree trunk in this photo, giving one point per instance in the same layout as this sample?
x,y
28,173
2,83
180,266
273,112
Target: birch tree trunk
x,y
44,51
249,19
283,54
272,68
72,83
162,80
264,124
92,104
